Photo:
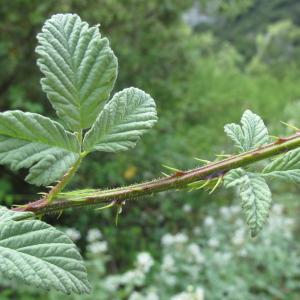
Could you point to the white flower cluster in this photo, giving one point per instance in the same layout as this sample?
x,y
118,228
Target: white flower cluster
x,y
229,211
196,254
190,294
170,239
139,296
168,263
209,221
96,246
93,235
239,236
73,234
213,242
144,262
133,278
220,243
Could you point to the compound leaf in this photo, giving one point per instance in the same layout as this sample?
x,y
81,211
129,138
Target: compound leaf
x,y
79,67
38,254
29,140
286,167
252,134
122,121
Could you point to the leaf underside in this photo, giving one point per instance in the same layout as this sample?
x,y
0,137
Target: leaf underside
x,y
256,197
122,121
29,140
38,254
79,67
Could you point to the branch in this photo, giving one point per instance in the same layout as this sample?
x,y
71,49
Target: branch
x,y
178,180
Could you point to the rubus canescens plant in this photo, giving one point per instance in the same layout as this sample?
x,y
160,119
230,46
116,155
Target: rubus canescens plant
x,y
80,70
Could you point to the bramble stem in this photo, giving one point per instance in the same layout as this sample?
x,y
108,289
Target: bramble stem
x,y
178,180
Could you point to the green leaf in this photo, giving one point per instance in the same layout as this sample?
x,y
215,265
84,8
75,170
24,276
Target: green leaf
x,y
79,67
38,254
29,140
235,132
252,134
286,167
256,197
234,177
123,120
10,215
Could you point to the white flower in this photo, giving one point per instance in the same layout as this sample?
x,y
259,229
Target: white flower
x,y
139,296
133,277
209,221
144,261
181,238
97,247
229,211
112,283
182,296
238,237
197,230
213,243
73,234
151,296
93,235
225,212
191,294
196,253
222,258
199,294
187,208
243,252
167,239
170,280
168,263
136,296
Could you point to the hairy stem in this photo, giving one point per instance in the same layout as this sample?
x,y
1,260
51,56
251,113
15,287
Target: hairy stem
x,y
178,180
63,182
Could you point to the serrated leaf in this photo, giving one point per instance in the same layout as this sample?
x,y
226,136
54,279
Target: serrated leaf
x,y
79,67
254,129
11,215
29,140
286,167
122,121
234,131
234,177
252,134
38,254
256,198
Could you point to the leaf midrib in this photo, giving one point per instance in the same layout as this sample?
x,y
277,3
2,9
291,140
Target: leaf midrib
x,y
22,138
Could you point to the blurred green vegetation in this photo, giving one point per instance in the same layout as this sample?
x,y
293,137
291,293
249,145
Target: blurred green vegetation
x,y
204,62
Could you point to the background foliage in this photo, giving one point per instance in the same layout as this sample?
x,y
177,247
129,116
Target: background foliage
x,y
204,63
